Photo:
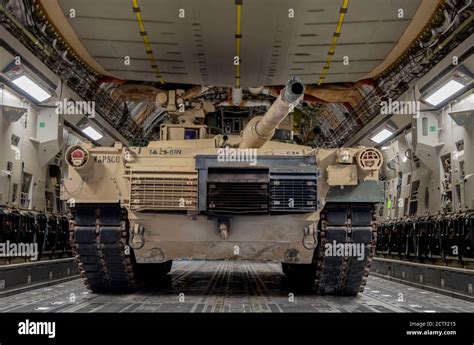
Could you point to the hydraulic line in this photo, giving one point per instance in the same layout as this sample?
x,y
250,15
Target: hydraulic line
x,y
238,37
332,48
146,41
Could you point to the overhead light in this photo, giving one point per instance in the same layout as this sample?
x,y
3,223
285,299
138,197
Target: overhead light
x,y
444,92
382,135
92,133
31,88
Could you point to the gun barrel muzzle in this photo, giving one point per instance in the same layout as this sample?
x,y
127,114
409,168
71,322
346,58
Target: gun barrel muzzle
x,y
259,130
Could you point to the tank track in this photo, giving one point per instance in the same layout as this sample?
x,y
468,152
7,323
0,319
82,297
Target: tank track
x,y
99,238
344,223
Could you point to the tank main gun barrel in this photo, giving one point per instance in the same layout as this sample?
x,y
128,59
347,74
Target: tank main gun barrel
x,y
260,129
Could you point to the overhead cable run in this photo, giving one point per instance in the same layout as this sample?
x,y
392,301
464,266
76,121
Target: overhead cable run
x,y
335,36
238,37
143,33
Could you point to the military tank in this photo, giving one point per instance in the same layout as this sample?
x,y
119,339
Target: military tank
x,y
193,195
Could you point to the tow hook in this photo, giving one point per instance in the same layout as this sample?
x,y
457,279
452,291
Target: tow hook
x,y
224,231
137,236
223,226
310,240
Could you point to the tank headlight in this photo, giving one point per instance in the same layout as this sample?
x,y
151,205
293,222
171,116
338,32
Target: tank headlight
x,y
345,156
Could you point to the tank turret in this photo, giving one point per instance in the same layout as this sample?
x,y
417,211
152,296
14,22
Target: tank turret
x,y
261,128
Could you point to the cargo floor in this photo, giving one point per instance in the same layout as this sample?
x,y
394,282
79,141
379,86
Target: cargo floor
x,y
228,286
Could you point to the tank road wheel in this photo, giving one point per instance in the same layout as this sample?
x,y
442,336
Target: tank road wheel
x,y
351,232
299,275
99,238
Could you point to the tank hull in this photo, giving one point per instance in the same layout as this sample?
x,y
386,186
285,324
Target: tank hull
x,y
262,238
137,209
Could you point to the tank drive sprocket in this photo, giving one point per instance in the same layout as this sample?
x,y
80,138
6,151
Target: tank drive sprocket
x,y
340,274
99,237
345,223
